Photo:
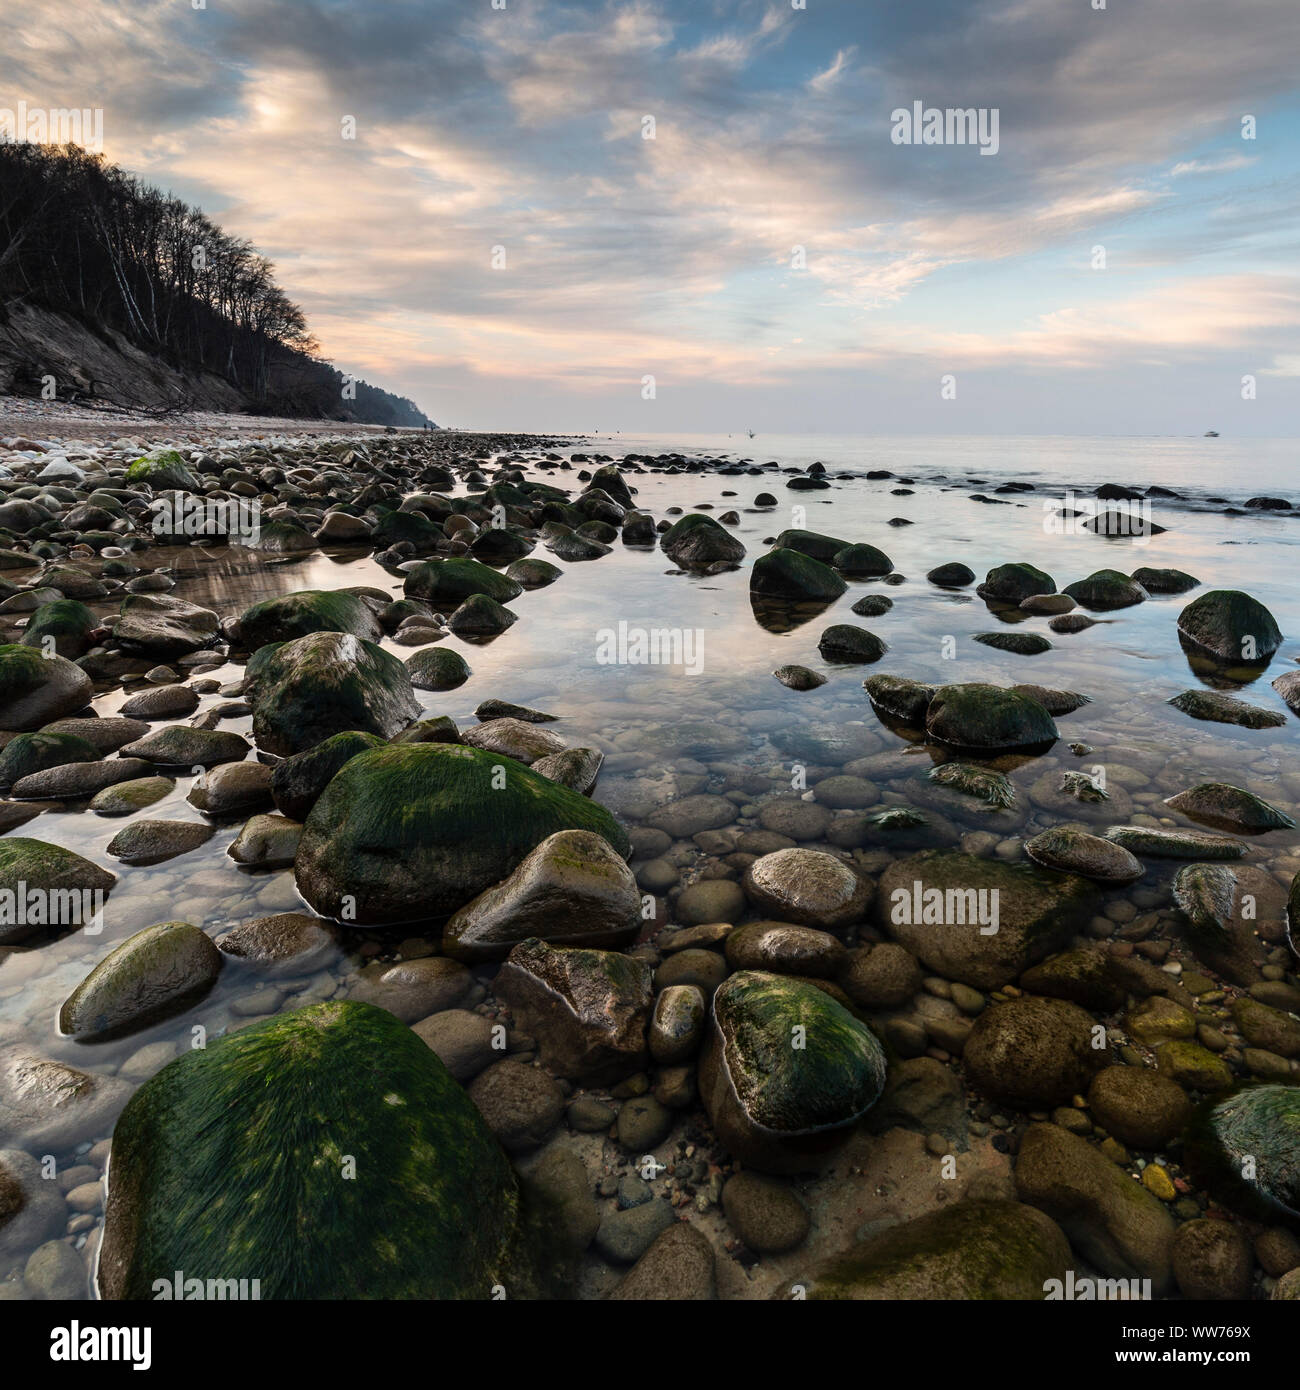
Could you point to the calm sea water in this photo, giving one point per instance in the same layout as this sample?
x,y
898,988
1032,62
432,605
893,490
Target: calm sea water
x,y
667,732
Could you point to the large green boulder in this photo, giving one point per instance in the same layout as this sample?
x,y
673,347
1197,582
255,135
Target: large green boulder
x,y
812,543
1106,589
37,750
44,886
969,1250
326,683
987,718
1010,584
326,1153
1246,1149
36,689
415,831
786,573
699,540
1230,626
448,583
64,627
787,1072
295,615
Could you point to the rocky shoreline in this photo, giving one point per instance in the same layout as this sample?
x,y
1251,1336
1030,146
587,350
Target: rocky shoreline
x,y
932,1002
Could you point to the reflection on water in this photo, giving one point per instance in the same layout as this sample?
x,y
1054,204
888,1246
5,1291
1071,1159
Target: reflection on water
x,y
666,732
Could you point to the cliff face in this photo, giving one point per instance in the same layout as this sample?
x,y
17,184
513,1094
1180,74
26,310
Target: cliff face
x,y
103,366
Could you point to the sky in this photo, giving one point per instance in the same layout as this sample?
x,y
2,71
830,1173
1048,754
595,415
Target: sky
x,y
677,216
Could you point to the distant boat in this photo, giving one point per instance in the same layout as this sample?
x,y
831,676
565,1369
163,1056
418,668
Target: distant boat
x,y
1211,434
751,434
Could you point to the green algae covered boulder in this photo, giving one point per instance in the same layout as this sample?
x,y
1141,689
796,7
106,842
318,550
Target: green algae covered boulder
x,y
414,831
786,1072
970,1250
326,1153
785,573
44,886
63,626
1245,1148
1230,626
36,689
448,583
699,540
326,683
163,469
295,615
978,717
1010,584
35,751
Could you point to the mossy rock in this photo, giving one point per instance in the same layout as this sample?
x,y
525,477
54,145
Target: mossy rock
x,y
415,831
155,974
987,1250
699,540
785,573
304,691
988,718
843,642
1021,643
36,689
60,877
1225,807
297,781
295,615
533,574
1215,706
813,544
1010,584
413,527
862,561
35,751
1164,581
327,1153
66,622
1106,589
163,469
1254,1130
776,1106
448,583
899,699
1230,626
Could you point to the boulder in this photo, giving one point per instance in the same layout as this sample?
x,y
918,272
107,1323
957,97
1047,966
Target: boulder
x,y
1231,627
417,830
572,890
153,975
930,903
589,1010
320,1152
774,1105
304,691
35,689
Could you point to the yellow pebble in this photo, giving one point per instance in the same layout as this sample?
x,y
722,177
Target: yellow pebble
x,y
1158,1182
